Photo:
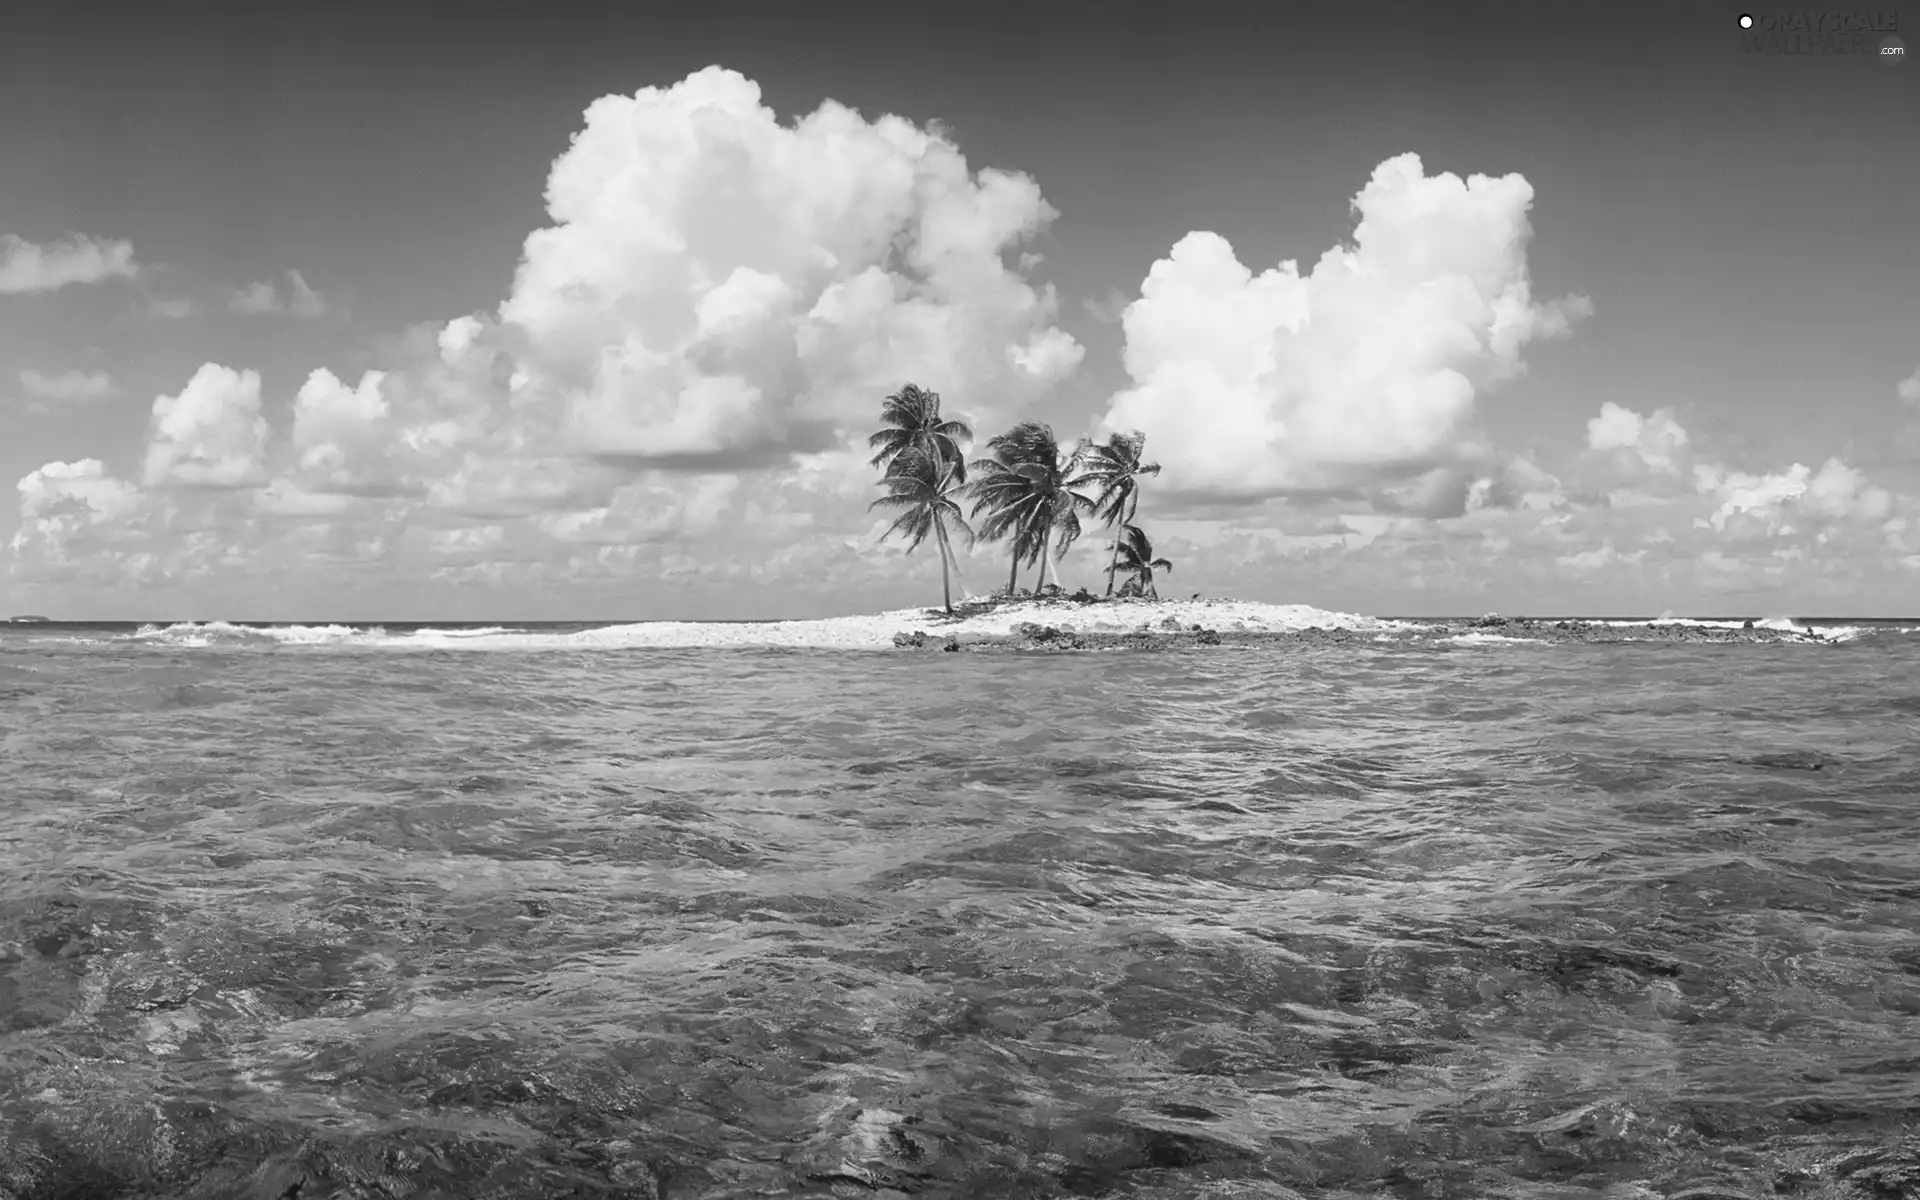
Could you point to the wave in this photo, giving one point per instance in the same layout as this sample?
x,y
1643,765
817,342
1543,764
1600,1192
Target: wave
x,y
867,632
203,634
1830,633
875,631
1491,639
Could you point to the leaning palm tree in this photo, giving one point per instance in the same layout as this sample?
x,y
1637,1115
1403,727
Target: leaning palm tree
x,y
911,420
924,487
1115,469
1134,553
1026,488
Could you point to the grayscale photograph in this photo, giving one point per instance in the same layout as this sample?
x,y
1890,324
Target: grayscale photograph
x,y
1216,601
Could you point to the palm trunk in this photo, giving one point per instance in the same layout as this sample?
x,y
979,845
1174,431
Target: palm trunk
x,y
953,556
1046,545
1013,576
947,554
946,589
1113,564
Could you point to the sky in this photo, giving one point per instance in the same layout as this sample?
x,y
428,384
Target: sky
x,y
366,313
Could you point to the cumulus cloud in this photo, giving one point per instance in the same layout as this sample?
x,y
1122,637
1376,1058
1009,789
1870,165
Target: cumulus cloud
x,y
720,289
1837,492
172,308
337,433
703,334
68,386
61,497
262,298
30,267
1365,369
65,509
211,435
1655,440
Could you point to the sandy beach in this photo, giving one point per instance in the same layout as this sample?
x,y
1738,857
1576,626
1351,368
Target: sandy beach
x,y
1053,623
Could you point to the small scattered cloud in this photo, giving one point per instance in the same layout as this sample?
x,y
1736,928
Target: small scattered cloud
x,y
1107,309
296,299
31,267
256,299
1656,440
1908,389
172,308
68,387
1599,558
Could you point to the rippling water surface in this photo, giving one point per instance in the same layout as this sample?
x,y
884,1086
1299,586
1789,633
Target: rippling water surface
x,y
1388,918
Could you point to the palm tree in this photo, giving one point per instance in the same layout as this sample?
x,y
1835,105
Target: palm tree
x,y
911,419
1134,553
1116,467
924,487
1026,488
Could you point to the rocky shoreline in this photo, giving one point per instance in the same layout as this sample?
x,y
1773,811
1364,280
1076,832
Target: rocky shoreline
x,y
1170,634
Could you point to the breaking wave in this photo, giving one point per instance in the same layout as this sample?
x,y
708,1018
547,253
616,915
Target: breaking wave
x,y
867,632
875,631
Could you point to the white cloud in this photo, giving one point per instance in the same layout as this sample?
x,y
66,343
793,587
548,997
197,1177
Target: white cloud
x,y
211,435
719,288
1836,492
1363,370
653,508
64,508
1908,389
703,335
64,495
172,308
67,386
303,301
1599,558
262,298
1657,439
340,434
29,267
256,299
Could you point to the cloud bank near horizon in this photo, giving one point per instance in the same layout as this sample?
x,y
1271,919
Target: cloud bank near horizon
x,y
678,384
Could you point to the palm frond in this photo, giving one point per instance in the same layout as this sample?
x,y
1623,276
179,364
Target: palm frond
x,y
911,420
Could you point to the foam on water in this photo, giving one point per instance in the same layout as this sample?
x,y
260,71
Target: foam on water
x,y
1830,633
875,631
867,632
1488,639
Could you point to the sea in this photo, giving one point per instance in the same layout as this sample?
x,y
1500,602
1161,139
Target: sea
x,y
460,911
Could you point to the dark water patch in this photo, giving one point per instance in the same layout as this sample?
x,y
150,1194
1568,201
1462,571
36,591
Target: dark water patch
x,y
1795,760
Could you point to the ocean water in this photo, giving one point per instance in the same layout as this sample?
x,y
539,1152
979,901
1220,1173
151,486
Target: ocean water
x,y
304,915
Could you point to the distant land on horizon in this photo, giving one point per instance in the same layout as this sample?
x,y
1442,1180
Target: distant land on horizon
x,y
596,622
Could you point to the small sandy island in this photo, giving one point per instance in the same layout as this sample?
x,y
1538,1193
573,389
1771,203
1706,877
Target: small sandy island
x,y
1061,622
1066,624
1053,623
